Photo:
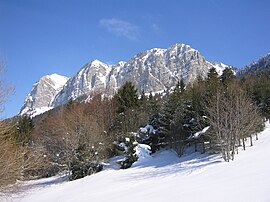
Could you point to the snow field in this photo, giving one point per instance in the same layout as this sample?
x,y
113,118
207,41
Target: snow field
x,y
165,177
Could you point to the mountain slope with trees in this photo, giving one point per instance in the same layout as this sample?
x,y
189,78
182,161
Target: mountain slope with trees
x,y
166,177
214,114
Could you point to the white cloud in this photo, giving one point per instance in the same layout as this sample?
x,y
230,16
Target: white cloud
x,y
121,28
155,27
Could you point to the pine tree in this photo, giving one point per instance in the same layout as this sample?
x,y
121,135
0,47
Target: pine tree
x,y
127,97
227,76
143,102
24,129
212,82
167,114
182,86
164,121
261,95
154,109
212,75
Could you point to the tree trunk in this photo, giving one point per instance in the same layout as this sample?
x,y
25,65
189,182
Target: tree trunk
x,y
244,146
233,151
251,143
203,151
256,136
195,146
228,153
239,143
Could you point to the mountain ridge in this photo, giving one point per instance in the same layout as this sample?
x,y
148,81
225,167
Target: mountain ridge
x,y
43,91
261,64
152,70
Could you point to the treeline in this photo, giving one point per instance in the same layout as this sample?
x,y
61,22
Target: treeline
x,y
216,114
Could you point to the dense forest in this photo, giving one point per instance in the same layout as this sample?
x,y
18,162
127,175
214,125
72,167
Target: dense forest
x,y
214,115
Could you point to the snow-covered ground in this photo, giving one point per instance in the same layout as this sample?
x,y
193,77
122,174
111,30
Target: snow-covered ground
x,y
165,177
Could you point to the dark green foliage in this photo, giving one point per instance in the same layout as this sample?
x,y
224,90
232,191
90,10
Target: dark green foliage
x,y
184,112
153,105
143,100
125,146
84,162
131,112
81,169
172,119
227,76
24,129
261,95
180,128
127,97
181,85
166,116
212,75
130,159
212,82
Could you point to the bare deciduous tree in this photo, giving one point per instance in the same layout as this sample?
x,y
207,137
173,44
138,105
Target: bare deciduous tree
x,y
9,154
79,129
232,117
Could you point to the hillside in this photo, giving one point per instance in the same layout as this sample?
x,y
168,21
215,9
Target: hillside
x,y
165,177
261,65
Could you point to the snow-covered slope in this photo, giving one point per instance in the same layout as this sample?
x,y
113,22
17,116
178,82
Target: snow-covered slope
x,y
219,66
42,93
165,177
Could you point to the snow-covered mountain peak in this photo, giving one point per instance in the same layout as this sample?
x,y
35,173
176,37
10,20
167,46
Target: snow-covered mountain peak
x,y
152,70
92,77
158,51
43,91
121,63
180,48
97,63
256,66
219,66
57,79
262,62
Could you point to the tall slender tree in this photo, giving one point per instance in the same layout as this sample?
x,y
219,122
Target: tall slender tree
x,y
127,97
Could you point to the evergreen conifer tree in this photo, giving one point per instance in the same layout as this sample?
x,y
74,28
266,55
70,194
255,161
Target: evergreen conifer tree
x,y
24,129
227,76
127,97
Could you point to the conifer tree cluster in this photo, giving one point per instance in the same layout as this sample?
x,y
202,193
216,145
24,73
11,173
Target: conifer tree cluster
x,y
218,103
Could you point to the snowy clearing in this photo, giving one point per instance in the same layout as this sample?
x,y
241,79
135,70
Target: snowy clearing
x,y
165,177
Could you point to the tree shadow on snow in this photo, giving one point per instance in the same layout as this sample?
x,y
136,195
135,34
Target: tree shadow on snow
x,y
166,163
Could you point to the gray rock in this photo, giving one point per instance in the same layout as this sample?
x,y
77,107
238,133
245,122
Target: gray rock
x,y
152,71
42,93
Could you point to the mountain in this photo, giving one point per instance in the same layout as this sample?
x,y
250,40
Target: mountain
x,y
263,64
91,78
42,93
152,71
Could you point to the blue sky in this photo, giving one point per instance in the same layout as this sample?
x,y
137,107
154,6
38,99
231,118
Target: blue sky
x,y
40,37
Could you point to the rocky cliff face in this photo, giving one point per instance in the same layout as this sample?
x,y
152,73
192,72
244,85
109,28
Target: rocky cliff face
x,y
91,78
42,93
153,70
255,67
